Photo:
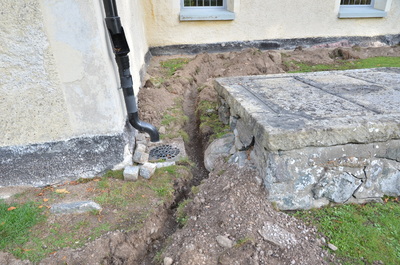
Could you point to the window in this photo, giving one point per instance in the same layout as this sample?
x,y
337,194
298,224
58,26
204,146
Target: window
x,y
363,8
192,10
356,2
205,3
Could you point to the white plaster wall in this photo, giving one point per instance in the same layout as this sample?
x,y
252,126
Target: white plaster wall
x,y
58,79
263,19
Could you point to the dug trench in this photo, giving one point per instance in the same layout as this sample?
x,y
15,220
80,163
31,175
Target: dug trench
x,y
217,217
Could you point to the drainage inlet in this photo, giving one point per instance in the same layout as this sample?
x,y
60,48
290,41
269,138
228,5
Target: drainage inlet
x,y
166,152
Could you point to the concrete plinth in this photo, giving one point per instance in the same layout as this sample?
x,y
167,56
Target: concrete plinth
x,y
320,137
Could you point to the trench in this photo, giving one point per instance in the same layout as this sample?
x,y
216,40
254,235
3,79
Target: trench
x,y
195,150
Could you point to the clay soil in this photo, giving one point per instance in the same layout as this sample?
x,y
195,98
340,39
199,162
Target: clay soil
x,y
229,203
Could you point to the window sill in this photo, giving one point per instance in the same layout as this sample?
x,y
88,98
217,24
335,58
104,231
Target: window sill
x,y
360,12
194,14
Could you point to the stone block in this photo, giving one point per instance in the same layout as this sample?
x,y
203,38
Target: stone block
x,y
140,157
131,173
147,170
140,148
336,186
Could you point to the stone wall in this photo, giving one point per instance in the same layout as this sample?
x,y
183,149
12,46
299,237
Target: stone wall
x,y
316,176
300,172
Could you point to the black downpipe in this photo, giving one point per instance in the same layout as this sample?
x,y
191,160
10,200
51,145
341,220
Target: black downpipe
x,y
121,50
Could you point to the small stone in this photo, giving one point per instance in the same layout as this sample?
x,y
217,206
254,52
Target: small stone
x,y
162,130
131,173
332,247
168,261
238,158
140,157
224,241
147,170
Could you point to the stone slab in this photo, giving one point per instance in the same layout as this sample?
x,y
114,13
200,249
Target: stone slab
x,y
292,111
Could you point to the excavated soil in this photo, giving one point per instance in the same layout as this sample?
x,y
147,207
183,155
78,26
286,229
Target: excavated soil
x,y
229,220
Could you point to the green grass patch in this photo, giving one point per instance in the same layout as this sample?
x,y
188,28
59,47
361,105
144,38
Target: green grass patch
x,y
209,120
364,234
373,62
117,174
172,65
181,216
15,224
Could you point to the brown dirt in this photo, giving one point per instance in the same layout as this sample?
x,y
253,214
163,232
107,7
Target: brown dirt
x,y
230,203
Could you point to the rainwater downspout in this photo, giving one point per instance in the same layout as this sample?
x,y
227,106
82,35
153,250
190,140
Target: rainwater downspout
x,y
121,49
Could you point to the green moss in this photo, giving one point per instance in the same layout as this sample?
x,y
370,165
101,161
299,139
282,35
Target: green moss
x,y
172,65
209,120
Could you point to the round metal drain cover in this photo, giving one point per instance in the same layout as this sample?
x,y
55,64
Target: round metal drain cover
x,y
164,152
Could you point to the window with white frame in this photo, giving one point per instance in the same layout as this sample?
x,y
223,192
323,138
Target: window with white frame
x,y
363,8
192,10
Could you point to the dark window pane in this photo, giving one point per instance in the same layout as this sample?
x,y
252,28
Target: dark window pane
x,y
205,3
355,2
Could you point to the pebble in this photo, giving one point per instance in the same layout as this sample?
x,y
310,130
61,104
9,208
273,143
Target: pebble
x,y
168,261
162,130
225,242
332,247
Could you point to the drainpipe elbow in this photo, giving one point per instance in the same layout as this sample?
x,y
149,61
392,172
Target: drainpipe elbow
x,y
144,127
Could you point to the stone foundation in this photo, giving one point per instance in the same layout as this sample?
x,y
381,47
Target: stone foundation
x,y
345,148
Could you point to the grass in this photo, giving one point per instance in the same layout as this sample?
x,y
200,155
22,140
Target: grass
x,y
172,65
25,232
209,120
372,62
15,224
364,234
181,216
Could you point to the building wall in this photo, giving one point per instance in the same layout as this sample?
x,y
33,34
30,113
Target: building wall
x,y
58,76
59,93
263,19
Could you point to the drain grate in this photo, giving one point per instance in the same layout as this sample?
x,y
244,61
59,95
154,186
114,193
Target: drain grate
x,y
164,152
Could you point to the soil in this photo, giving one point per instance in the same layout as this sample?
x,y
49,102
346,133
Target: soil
x,y
229,220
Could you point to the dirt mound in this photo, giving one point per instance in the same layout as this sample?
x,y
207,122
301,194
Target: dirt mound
x,y
231,205
158,93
